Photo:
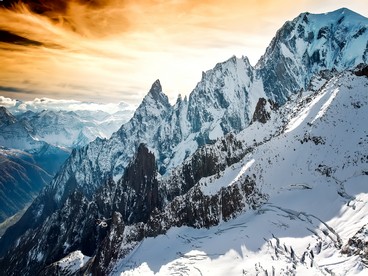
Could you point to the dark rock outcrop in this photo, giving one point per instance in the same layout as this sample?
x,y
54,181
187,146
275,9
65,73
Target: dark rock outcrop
x,y
206,161
361,70
261,114
141,177
358,245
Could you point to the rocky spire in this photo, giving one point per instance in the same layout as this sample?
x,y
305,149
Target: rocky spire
x,y
6,118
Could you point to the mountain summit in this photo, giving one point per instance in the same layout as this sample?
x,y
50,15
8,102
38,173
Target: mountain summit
x,y
156,90
309,44
6,118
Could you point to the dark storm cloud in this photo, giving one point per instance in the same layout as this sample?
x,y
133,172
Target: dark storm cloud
x,y
50,7
12,89
9,37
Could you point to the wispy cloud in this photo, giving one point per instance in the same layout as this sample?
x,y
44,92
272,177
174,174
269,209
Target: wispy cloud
x,y
110,50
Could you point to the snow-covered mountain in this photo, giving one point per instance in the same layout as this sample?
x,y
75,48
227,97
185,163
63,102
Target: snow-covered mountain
x,y
311,43
172,166
59,128
48,137
6,118
69,123
16,134
20,135
72,129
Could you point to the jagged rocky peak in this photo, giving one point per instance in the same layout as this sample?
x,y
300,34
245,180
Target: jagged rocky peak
x,y
156,87
179,100
156,93
361,70
263,110
230,65
155,104
6,118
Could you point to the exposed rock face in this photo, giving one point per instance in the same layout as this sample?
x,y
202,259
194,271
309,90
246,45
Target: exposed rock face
x,y
358,244
361,70
206,161
141,177
198,210
6,118
110,246
261,114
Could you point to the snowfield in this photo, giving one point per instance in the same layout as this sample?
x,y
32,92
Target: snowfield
x,y
273,239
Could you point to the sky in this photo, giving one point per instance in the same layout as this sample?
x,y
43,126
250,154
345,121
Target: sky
x,y
110,51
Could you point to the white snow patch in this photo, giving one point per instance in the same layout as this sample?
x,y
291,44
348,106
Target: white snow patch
x,y
211,185
73,262
243,170
39,257
216,132
286,52
326,105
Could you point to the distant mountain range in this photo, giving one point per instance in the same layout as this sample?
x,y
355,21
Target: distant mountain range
x,y
61,123
35,145
269,163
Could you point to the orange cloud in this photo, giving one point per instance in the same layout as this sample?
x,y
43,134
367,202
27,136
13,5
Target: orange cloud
x,y
113,50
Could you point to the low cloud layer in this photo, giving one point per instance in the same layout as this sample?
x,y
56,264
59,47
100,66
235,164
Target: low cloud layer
x,y
39,104
7,102
111,51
